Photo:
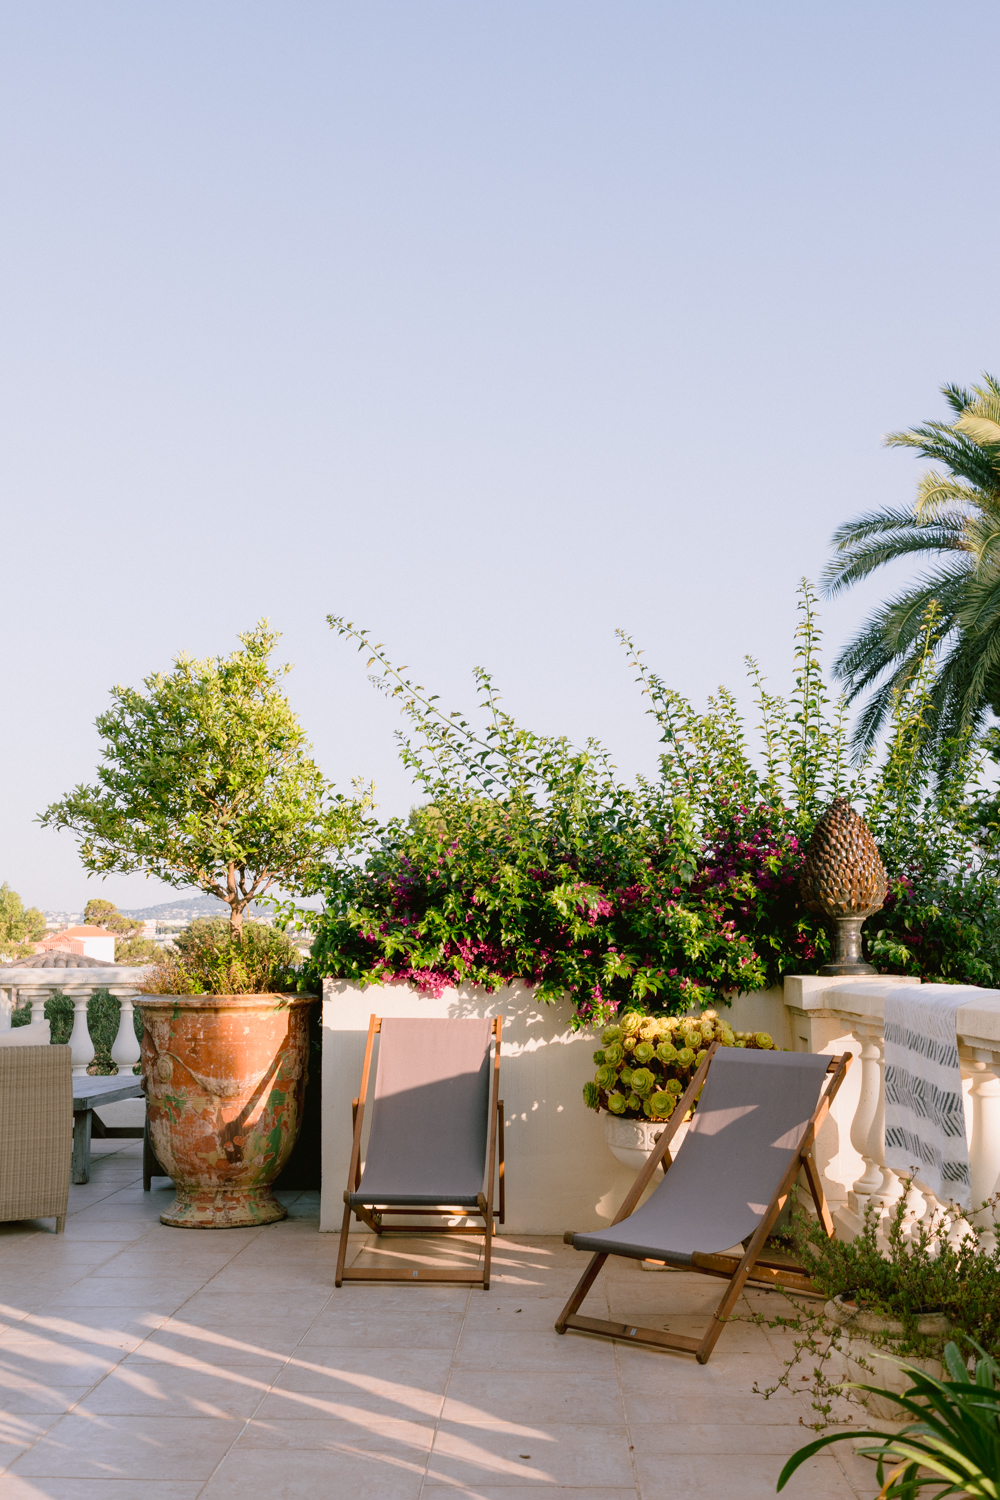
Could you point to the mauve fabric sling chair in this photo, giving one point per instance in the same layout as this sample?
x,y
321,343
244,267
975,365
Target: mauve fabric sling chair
x,y
435,1148
752,1134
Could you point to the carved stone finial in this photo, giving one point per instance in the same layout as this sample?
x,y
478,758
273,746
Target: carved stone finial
x,y
843,878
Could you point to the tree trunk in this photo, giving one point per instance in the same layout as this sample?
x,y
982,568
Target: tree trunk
x,y
235,908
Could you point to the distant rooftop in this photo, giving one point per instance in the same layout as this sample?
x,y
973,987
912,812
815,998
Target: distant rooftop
x,y
56,959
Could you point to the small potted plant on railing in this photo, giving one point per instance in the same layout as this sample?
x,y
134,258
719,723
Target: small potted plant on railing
x,y
644,1064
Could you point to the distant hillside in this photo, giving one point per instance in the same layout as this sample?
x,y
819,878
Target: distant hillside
x,y
186,909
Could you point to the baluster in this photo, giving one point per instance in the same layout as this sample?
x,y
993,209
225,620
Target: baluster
x,y
984,1150
38,1006
126,1051
8,1003
889,1189
81,1045
866,1117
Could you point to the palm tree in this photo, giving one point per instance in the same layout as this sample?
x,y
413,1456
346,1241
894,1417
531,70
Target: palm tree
x,y
956,518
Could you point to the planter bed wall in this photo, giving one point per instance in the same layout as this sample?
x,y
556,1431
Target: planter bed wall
x,y
560,1174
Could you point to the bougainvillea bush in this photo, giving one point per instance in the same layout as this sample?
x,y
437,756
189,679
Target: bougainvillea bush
x,y
531,859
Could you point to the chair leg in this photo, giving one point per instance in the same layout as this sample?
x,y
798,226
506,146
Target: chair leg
x,y
60,1223
342,1251
500,1148
581,1289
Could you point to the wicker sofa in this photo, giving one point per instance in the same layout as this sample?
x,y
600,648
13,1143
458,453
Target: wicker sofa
x,y
36,1131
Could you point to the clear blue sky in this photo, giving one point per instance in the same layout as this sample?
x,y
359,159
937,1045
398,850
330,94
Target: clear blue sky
x,y
492,326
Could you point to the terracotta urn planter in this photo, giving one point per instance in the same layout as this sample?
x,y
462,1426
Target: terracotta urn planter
x,y
224,1077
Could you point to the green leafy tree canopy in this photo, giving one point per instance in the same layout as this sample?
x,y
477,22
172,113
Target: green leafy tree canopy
x,y
207,781
130,948
21,927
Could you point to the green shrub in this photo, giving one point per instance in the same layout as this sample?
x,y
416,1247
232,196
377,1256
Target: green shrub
x,y
210,961
932,1270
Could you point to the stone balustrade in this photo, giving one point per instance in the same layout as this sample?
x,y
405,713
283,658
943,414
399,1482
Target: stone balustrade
x,y
833,1015
20,987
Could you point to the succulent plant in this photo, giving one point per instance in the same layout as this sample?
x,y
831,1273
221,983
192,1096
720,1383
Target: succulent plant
x,y
642,1082
647,1062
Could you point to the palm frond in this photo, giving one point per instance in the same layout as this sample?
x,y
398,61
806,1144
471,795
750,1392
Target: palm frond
x,y
983,430
935,491
918,538
957,397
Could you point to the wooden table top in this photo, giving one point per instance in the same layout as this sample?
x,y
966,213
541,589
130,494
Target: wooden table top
x,y
88,1092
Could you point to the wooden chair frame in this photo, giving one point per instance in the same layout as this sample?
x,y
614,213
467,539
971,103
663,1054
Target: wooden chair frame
x,y
754,1266
375,1218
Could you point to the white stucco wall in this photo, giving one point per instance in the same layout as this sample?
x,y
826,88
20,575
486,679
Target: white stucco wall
x,y
559,1172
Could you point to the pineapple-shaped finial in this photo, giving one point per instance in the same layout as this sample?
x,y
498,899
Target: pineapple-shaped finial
x,y
843,878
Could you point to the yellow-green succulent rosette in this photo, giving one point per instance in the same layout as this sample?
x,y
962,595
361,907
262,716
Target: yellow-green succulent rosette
x,y
645,1063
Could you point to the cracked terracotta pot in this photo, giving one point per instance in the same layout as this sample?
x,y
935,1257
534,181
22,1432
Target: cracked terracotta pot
x,y
224,1077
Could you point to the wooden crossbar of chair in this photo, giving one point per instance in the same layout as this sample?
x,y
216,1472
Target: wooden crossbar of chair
x,y
754,1265
375,1217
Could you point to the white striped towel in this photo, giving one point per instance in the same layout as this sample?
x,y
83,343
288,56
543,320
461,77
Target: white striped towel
x,y
924,1117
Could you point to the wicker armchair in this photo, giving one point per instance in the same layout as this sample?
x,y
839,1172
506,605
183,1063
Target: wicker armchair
x,y
36,1132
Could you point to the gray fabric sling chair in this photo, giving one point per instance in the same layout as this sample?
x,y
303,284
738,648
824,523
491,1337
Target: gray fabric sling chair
x,y
435,1148
752,1134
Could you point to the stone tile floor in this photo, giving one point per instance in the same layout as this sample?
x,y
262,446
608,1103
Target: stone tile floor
x,y
144,1363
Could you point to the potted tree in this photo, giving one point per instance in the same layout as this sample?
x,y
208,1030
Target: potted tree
x,y
207,782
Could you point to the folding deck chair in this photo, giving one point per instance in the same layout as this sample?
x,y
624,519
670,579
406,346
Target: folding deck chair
x,y
436,1142
753,1132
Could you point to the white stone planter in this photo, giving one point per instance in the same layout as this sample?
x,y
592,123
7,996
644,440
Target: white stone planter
x,y
858,1357
631,1141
